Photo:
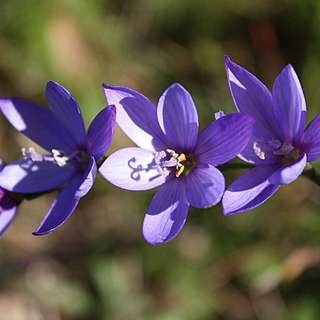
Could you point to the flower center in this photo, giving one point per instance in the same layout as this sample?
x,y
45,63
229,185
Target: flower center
x,y
286,150
170,159
58,157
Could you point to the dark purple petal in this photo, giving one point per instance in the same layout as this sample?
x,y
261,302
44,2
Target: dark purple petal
x,y
132,169
90,176
27,176
289,105
38,124
6,218
67,200
66,109
205,186
250,190
60,211
100,132
136,116
310,142
224,139
178,118
251,96
288,174
167,213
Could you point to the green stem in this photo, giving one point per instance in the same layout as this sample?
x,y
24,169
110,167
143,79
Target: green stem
x,y
100,161
235,165
311,174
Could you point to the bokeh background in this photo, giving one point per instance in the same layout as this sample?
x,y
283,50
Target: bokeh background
x,y
263,264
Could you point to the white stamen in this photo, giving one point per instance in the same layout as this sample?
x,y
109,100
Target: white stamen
x,y
158,156
60,160
31,153
258,151
163,164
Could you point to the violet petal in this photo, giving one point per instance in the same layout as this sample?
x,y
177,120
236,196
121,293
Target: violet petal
x,y
132,169
310,142
205,185
224,139
67,200
178,118
100,132
38,124
87,183
289,173
66,109
250,190
27,176
289,105
136,116
251,96
167,213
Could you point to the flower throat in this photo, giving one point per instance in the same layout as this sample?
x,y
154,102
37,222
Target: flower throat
x,y
171,159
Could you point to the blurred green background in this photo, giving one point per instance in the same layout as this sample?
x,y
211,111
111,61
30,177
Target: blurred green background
x,y
263,264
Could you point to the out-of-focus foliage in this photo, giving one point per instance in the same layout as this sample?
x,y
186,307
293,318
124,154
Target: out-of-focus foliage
x,y
263,264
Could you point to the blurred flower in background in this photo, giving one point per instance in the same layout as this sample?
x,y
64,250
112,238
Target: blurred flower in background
x,y
69,164
263,265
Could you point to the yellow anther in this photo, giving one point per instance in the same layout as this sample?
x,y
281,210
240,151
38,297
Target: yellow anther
x,y
180,168
181,157
179,171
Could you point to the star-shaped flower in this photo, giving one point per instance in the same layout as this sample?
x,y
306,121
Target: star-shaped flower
x,y
280,145
73,153
170,153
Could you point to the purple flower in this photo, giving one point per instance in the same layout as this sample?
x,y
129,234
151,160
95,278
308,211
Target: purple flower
x,y
171,154
279,146
71,162
8,206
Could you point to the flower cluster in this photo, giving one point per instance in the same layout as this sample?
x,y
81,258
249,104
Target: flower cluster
x,y
268,131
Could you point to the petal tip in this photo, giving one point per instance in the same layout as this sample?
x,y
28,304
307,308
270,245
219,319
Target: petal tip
x,y
49,83
228,212
176,85
228,62
107,86
112,108
38,232
53,84
153,239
